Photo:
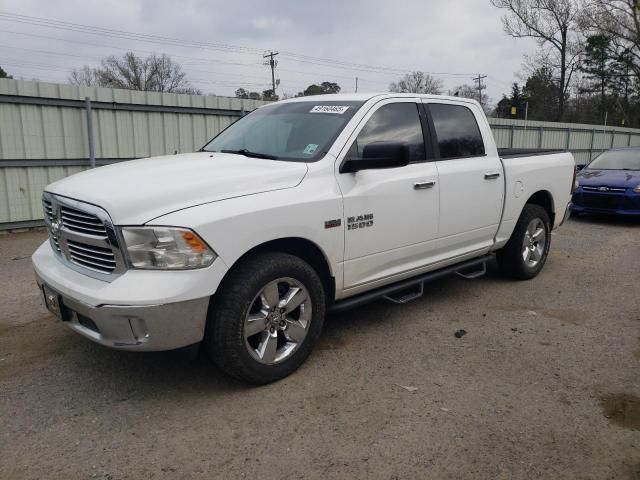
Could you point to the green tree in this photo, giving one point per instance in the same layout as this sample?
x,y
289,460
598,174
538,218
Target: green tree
x,y
269,95
554,25
542,94
322,89
330,87
242,93
597,67
620,21
4,74
518,99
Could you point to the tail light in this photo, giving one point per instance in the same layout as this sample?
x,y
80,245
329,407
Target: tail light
x,y
574,183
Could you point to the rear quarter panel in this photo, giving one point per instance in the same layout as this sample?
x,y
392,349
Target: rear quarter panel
x,y
525,176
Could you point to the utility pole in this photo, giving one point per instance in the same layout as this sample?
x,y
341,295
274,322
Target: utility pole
x,y
481,87
356,84
272,63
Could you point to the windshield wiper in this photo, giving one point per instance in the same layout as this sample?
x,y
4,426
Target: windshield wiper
x,y
248,153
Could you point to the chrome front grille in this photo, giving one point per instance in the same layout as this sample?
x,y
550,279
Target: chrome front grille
x,y
48,210
48,217
95,258
81,222
83,236
604,189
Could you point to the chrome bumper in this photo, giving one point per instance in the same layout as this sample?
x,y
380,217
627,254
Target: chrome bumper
x,y
142,328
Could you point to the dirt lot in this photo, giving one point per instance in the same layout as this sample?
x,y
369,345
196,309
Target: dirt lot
x,y
545,384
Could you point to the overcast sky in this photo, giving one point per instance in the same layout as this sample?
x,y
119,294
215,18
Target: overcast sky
x,y
461,37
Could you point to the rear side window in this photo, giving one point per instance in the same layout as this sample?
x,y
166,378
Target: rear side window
x,y
395,122
457,131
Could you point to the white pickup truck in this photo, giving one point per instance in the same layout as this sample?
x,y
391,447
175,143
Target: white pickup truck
x,y
301,207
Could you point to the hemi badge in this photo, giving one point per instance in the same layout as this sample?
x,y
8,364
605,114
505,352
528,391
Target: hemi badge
x,y
333,223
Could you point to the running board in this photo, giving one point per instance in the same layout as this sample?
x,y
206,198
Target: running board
x,y
470,275
397,292
404,296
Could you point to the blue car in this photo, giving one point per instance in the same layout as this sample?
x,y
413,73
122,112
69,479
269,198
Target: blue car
x,y
610,184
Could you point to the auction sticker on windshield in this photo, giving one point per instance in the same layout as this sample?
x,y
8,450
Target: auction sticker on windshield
x,y
310,149
329,109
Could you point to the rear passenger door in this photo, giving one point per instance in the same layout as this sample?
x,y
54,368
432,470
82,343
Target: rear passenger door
x,y
471,178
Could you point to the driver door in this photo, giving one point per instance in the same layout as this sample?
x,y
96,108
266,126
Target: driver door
x,y
390,215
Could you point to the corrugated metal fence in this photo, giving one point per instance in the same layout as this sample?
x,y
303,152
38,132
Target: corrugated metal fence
x,y
584,141
43,134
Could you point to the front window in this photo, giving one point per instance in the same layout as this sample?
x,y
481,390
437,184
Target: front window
x,y
617,160
394,122
296,131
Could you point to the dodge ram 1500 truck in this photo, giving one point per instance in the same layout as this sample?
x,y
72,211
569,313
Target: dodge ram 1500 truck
x,y
300,207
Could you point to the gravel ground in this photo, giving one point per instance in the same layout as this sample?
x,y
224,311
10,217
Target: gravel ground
x,y
545,384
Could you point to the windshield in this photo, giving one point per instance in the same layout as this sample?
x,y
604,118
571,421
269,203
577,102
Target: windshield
x,y
296,131
617,160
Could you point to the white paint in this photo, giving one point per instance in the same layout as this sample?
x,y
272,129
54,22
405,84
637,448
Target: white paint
x,y
236,203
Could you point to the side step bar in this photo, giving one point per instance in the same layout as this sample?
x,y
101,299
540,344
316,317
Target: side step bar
x,y
468,269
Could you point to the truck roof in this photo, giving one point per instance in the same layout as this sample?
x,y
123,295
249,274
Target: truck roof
x,y
363,97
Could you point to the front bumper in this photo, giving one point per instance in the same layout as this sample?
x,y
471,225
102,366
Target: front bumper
x,y
135,327
139,310
624,204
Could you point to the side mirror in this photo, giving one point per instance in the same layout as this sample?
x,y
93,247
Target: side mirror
x,y
379,155
580,167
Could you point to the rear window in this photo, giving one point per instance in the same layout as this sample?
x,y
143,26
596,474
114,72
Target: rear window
x,y
457,131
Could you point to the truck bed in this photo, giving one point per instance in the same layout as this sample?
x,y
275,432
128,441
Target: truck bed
x,y
525,152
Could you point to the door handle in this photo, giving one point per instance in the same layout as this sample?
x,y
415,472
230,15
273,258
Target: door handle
x,y
491,175
424,185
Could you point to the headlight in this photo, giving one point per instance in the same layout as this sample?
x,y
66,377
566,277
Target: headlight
x,y
637,189
166,248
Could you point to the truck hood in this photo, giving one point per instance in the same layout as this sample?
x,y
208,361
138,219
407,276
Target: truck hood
x,y
137,191
610,178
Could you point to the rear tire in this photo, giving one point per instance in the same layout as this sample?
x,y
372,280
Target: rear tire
x,y
525,254
265,318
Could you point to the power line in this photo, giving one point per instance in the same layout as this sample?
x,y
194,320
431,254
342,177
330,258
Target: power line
x,y
325,63
95,30
200,60
157,39
272,63
191,69
481,87
129,49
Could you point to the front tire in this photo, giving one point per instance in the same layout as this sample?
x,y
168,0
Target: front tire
x,y
265,318
524,255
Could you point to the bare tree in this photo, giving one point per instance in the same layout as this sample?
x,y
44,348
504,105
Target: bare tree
x,y
554,24
619,20
84,76
156,73
417,82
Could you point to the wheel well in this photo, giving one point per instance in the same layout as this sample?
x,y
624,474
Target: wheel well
x,y
544,199
307,251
